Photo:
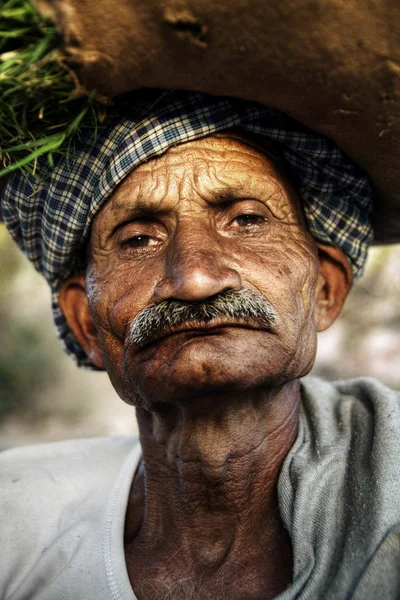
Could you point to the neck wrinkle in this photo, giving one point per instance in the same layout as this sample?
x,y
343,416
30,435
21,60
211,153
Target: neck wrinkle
x,y
215,470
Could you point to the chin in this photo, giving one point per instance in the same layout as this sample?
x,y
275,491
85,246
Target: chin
x,y
187,366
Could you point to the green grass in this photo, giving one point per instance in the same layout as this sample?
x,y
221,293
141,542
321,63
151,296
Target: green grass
x,y
42,105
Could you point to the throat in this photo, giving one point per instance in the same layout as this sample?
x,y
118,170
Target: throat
x,y
203,506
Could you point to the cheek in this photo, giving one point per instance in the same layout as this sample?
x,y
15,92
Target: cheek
x,y
115,296
285,272
302,296
118,292
284,269
303,263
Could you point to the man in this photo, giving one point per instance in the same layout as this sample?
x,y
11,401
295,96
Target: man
x,y
177,244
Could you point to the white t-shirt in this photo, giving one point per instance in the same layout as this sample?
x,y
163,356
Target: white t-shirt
x,y
63,505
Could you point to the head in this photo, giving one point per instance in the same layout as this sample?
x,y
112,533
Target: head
x,y
151,165
211,227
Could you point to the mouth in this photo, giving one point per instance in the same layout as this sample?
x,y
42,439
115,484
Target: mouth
x,y
203,330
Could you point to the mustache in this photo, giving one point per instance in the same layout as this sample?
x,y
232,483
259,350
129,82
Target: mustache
x,y
236,307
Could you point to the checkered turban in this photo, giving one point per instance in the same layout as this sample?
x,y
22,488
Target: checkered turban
x,y
51,221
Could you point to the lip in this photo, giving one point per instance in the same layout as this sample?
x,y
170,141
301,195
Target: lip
x,y
203,330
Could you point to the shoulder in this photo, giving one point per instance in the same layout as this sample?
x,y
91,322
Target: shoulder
x,y
340,486
341,400
47,477
55,496
362,416
38,482
61,463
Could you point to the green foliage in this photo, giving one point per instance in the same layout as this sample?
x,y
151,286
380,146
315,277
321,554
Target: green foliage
x,y
42,105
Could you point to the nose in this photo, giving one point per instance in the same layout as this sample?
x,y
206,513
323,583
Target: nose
x,y
196,269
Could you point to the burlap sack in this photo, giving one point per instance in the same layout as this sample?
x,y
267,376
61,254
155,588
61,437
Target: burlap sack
x,y
332,64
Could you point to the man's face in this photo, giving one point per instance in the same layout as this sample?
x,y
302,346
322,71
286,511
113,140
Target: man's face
x,y
207,216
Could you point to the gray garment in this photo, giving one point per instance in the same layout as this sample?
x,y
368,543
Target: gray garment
x,y
339,493
63,505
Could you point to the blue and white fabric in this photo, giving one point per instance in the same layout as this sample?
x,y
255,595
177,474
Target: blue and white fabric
x,y
51,220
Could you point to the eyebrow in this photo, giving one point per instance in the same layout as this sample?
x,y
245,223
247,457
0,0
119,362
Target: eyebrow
x,y
142,210
224,196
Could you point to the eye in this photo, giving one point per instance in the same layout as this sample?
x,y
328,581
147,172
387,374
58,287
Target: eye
x,y
247,220
139,241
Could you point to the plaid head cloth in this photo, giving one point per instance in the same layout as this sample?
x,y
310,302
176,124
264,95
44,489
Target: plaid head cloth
x,y
51,221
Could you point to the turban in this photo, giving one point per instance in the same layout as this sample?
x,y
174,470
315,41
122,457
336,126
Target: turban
x,y
50,219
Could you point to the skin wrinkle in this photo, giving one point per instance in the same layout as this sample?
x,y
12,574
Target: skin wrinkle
x,y
249,450
161,182
217,411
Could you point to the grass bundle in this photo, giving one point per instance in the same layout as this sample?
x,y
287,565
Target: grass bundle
x,y
42,105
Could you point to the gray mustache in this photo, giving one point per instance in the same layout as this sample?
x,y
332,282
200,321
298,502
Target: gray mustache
x,y
238,307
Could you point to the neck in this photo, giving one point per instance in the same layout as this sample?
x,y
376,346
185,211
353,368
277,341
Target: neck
x,y
205,497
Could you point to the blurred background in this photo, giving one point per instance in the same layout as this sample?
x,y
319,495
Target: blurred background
x,y
45,397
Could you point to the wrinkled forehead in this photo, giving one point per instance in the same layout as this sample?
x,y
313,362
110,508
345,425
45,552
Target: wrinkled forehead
x,y
218,169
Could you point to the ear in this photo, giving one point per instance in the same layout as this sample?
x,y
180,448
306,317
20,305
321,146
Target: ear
x,y
334,282
74,305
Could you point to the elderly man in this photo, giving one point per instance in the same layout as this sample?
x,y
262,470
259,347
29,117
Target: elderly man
x,y
195,259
